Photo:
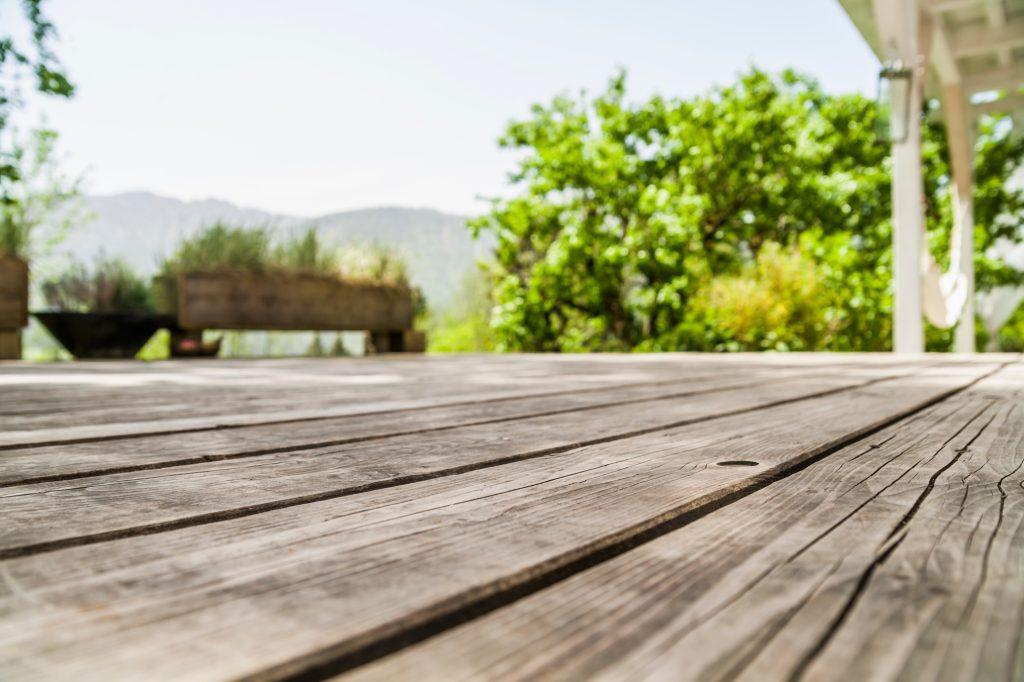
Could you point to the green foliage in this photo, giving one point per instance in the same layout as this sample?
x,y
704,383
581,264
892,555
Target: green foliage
x,y
372,262
42,194
110,286
774,303
157,348
316,348
306,253
1011,336
35,62
464,326
626,214
339,349
222,247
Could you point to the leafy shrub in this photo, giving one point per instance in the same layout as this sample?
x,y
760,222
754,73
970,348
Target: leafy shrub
x,y
110,286
1011,335
775,303
464,325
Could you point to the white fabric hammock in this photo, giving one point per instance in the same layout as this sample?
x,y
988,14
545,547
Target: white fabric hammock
x,y
945,294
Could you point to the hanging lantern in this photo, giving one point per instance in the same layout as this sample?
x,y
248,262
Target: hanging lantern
x,y
894,82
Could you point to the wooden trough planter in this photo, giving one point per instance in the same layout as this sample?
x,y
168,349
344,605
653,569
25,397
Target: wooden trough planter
x,y
281,302
13,306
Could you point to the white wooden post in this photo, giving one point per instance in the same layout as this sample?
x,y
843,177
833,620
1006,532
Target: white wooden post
x,y
898,21
961,152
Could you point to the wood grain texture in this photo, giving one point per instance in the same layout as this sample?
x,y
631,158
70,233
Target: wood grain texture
x,y
946,599
117,505
896,558
96,400
291,302
288,590
118,454
13,294
10,345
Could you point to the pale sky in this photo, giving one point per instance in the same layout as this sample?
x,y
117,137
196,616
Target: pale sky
x,y
311,106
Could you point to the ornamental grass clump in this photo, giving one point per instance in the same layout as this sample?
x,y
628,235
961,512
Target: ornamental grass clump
x,y
109,286
372,262
225,248
306,253
221,247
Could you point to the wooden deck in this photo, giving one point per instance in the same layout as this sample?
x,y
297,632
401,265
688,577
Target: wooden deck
x,y
523,517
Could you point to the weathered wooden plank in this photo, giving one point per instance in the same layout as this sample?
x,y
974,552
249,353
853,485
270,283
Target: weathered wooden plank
x,y
874,561
122,504
945,597
126,401
90,397
298,587
200,406
64,461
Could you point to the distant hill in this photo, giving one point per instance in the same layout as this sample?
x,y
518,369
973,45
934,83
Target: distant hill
x,y
143,228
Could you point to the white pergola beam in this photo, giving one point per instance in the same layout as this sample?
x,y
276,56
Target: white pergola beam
x,y
986,39
996,13
1003,105
1003,78
941,57
939,6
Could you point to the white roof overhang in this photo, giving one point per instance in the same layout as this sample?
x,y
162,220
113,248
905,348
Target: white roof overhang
x,y
978,44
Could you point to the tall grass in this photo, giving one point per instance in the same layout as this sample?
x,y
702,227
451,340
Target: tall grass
x,y
221,247
225,248
109,286
306,253
372,262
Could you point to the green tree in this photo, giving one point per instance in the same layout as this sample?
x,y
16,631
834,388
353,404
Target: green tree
x,y
34,62
626,213
463,325
42,195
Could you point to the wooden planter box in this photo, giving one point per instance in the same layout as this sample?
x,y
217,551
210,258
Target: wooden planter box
x,y
13,306
290,303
